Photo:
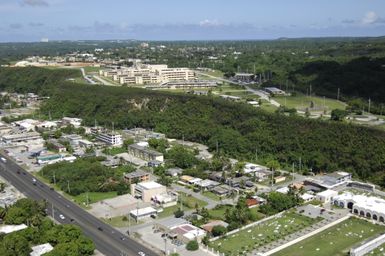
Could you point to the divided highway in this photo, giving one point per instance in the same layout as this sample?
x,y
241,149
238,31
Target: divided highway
x,y
108,241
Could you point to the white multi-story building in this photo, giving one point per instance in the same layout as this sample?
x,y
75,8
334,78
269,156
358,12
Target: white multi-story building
x,y
110,138
148,74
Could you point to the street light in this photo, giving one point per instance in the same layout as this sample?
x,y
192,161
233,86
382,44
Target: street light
x,y
165,245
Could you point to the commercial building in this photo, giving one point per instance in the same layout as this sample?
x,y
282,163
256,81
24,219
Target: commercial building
x,y
21,137
136,176
326,196
110,138
244,77
147,190
165,200
364,206
140,134
148,74
179,229
72,121
143,213
145,153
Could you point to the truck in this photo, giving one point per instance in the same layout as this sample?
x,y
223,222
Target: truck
x,y
3,159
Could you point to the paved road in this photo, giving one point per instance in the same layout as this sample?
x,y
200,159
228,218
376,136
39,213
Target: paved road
x,y
259,93
102,80
89,80
108,241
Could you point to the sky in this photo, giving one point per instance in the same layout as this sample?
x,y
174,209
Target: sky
x,y
32,20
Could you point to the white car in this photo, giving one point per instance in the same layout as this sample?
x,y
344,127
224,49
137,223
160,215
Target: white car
x,y
61,216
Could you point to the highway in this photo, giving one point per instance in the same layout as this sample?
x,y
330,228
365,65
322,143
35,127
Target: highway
x,y
108,240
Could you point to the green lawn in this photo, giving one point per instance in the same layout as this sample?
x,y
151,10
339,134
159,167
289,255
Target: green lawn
x,y
301,101
114,150
336,240
93,197
254,237
190,201
91,69
219,211
211,195
169,211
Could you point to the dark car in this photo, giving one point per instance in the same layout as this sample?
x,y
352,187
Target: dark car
x,y
100,228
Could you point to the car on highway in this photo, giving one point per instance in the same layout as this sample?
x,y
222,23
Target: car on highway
x,y
141,254
100,228
61,216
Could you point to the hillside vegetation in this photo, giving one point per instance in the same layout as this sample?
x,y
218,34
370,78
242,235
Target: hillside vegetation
x,y
239,129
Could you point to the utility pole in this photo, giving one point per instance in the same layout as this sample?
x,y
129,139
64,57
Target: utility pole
x,y
53,212
54,178
300,164
68,187
256,154
338,94
293,170
137,211
87,199
217,148
369,106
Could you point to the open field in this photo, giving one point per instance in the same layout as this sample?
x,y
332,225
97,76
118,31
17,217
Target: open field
x,y
264,233
93,197
211,195
301,101
336,240
188,202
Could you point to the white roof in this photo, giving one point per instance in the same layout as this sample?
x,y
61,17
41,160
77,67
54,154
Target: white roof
x,y
143,211
195,180
41,249
283,190
307,196
192,234
150,185
327,193
12,228
371,203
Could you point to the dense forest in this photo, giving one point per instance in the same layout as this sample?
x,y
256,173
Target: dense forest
x,y
239,129
359,78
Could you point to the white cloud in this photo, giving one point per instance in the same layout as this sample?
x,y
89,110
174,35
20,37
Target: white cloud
x,y
209,23
34,3
369,18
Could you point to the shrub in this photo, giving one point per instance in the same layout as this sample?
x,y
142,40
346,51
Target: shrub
x,y
192,245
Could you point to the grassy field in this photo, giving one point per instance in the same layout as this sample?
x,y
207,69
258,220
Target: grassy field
x,y
219,212
89,69
336,240
301,101
189,203
211,195
254,237
93,197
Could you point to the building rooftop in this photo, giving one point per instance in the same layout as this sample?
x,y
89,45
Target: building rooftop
x,y
374,204
150,185
135,174
41,249
143,211
11,228
145,149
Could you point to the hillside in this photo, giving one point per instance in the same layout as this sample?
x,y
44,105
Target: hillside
x,y
359,78
239,129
